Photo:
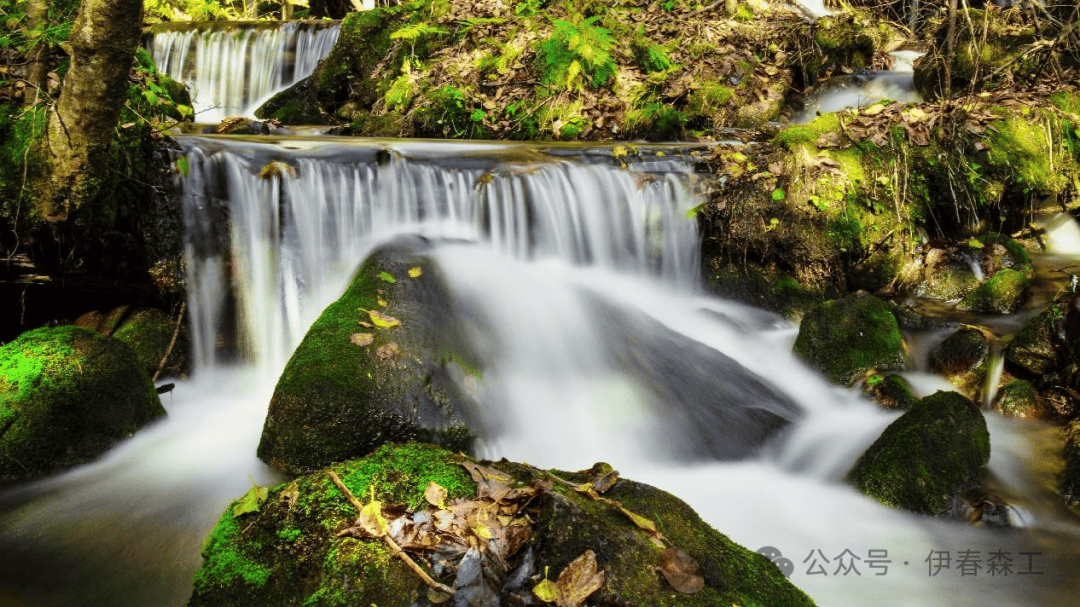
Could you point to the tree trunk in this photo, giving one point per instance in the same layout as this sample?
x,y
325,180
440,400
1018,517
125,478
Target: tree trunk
x,y
37,13
81,126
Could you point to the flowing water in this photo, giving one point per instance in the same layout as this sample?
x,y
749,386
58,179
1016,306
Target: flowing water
x,y
234,68
576,279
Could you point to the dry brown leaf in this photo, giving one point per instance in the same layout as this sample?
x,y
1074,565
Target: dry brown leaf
x,y
681,571
436,495
389,350
361,339
579,580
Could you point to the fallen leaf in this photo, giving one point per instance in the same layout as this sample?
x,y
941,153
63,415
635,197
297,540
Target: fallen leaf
x,y
387,277
389,350
579,580
436,495
415,272
362,339
640,521
382,302
606,482
681,571
547,591
251,501
371,519
291,494
381,320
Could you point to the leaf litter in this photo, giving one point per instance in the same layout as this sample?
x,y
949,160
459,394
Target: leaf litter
x,y
481,543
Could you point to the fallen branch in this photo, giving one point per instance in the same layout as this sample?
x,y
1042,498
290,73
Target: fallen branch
x,y
391,543
172,342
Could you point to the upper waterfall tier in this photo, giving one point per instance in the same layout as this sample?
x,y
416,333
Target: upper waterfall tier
x,y
233,67
274,220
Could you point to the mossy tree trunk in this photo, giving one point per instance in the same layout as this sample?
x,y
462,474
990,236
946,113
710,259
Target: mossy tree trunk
x,y
102,45
37,12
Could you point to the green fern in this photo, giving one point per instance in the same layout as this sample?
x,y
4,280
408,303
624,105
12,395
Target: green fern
x,y
577,49
416,31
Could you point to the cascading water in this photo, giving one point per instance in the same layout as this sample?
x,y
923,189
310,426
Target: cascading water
x,y
865,88
231,71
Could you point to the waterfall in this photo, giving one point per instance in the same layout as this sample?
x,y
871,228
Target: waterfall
x,y
231,71
322,207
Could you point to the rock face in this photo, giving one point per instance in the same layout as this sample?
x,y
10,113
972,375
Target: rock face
x,y
66,395
148,331
847,337
925,460
290,550
374,368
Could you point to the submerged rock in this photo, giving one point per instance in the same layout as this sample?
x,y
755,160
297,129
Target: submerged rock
x,y
66,395
847,337
374,368
299,544
928,458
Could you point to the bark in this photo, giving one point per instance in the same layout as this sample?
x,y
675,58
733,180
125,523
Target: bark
x,y
37,12
81,126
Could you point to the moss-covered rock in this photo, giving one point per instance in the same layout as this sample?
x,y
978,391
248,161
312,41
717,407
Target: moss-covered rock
x,y
373,368
962,358
1033,349
66,395
148,331
946,276
1004,293
890,391
846,337
288,551
925,460
1070,475
1019,398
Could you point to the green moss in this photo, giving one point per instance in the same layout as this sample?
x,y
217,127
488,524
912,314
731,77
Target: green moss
x,y
847,337
891,392
927,457
224,562
400,473
1022,150
1019,398
1002,294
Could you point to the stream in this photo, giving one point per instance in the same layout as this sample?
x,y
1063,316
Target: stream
x,y
578,281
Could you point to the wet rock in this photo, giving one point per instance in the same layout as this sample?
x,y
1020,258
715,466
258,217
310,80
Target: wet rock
x,y
1070,476
1004,293
1033,349
947,276
288,551
1019,398
928,458
67,394
847,337
962,359
374,368
890,391
148,331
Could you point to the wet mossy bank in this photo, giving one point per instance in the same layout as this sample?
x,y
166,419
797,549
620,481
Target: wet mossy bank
x,y
289,550
573,71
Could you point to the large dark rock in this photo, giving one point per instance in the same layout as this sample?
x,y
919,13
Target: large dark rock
x,y
288,552
66,395
352,385
928,458
149,332
963,359
1034,348
847,337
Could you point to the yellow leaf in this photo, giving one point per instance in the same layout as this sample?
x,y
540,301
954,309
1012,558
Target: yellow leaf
x,y
436,495
547,591
873,110
415,272
382,302
618,151
916,114
640,521
382,320
371,519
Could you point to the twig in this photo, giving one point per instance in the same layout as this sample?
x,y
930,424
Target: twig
x,y
390,542
172,342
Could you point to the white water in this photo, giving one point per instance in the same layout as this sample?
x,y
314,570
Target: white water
x,y
896,84
595,346
231,72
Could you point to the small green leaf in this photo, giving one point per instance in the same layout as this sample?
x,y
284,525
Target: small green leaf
x,y
387,277
778,194
251,501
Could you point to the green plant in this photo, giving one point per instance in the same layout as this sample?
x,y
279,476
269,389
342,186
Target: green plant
x,y
575,50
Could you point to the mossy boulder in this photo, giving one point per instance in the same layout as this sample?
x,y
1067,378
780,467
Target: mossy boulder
x,y
946,277
148,331
288,552
962,358
847,337
1034,349
890,391
929,457
1004,293
1019,398
374,368
1070,475
67,394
